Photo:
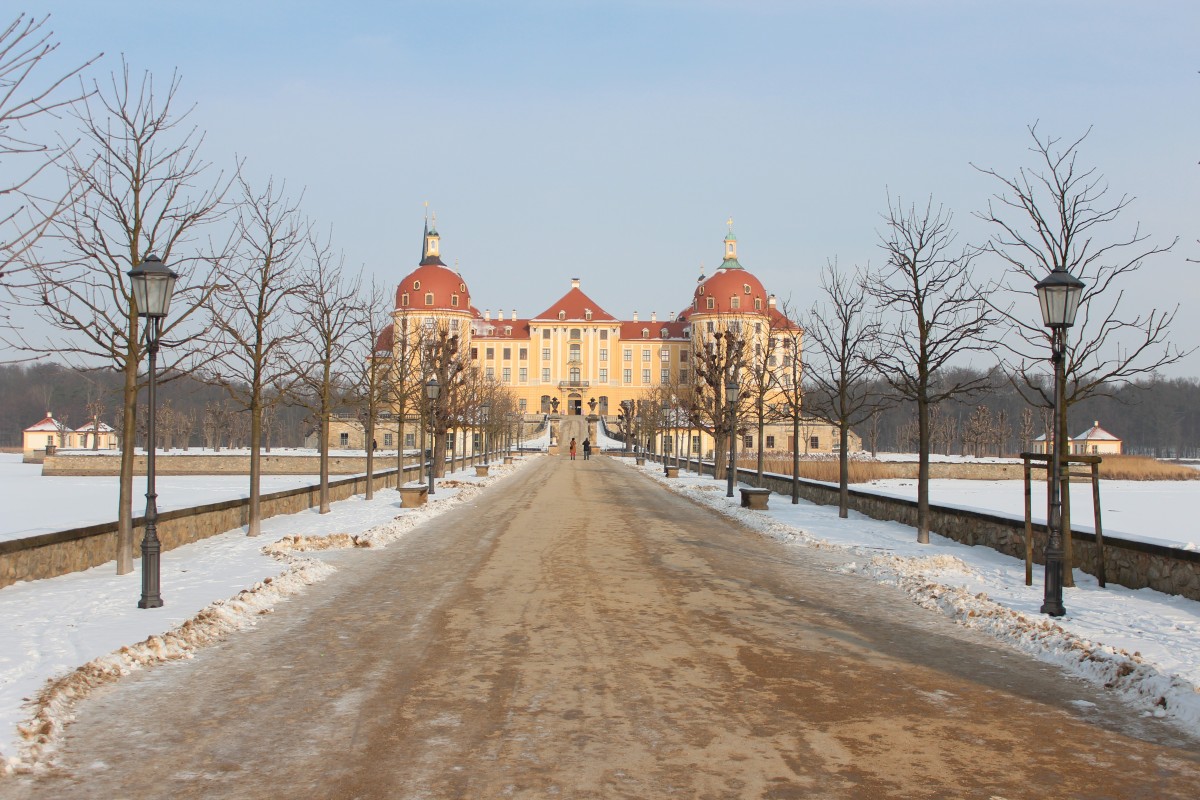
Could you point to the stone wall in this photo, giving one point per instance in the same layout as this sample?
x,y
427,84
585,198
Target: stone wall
x,y
1133,564
214,464
51,554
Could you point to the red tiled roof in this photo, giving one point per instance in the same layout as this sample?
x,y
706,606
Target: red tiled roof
x,y
633,330
576,304
47,424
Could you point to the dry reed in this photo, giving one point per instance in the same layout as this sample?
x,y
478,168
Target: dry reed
x,y
1142,468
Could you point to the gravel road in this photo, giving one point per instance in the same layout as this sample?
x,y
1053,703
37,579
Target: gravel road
x,y
581,632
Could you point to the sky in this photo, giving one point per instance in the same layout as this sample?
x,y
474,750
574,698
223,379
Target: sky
x,y
610,141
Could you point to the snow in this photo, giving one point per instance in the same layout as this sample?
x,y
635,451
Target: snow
x,y
35,504
1159,512
65,636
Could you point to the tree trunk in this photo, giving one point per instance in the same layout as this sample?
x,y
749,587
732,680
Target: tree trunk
x,y
254,525
1064,493
844,470
128,454
796,458
922,469
370,443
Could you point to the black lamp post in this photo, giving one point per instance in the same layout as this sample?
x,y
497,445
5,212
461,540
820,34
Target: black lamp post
x,y
432,391
731,399
1059,294
152,284
485,411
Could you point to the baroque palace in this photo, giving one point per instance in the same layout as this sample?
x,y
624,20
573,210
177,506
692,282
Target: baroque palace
x,y
575,358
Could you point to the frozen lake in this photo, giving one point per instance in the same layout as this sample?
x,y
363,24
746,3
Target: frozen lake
x,y
1164,512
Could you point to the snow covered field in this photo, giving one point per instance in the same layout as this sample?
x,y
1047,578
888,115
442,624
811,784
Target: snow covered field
x,y
64,636
1163,512
35,504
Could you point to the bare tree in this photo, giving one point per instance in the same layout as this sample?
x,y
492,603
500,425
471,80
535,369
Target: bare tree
x,y
1058,215
1026,430
938,316
328,313
843,342
790,389
979,430
252,314
140,187
371,364
27,94
716,357
441,361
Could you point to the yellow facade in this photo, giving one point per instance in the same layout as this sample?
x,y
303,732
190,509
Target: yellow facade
x,y
576,358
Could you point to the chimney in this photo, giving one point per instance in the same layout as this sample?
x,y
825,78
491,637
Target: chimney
x,y
514,316
770,301
654,316
574,283
635,316
487,315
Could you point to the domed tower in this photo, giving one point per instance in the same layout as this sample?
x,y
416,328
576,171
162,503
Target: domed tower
x,y
432,297
731,299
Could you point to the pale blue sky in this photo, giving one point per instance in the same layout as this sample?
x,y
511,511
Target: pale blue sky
x,y
610,140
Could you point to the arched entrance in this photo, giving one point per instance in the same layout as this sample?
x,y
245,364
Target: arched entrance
x,y
574,403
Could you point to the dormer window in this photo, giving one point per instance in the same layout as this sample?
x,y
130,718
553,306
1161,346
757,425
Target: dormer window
x,y
508,330
587,313
454,300
758,304
746,288
645,333
429,298
712,303
404,299
416,286
462,287
562,315
663,333
734,302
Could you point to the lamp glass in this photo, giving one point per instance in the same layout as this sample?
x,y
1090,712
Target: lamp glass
x,y
152,284
432,389
1059,294
731,391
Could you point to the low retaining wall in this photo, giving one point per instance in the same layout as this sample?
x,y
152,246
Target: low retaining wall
x,y
1133,564
62,552
212,464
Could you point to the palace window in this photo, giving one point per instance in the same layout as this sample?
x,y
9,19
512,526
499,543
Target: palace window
x,y
545,333
627,376
604,334
735,302
429,298
712,303
770,442
344,440
628,354
454,300
664,376
387,440
521,405
546,375
508,354
490,372
604,376
523,374
574,334
410,440
645,376
545,354
506,375
604,354
491,353
523,354
646,354
748,442
814,442
664,354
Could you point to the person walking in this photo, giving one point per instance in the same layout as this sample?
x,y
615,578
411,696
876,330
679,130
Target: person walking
x,y
587,449
572,448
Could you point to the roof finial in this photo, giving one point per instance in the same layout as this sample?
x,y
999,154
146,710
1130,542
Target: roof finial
x,y
730,223
427,211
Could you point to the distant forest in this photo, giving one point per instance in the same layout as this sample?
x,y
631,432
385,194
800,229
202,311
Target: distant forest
x,y
1157,416
188,408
